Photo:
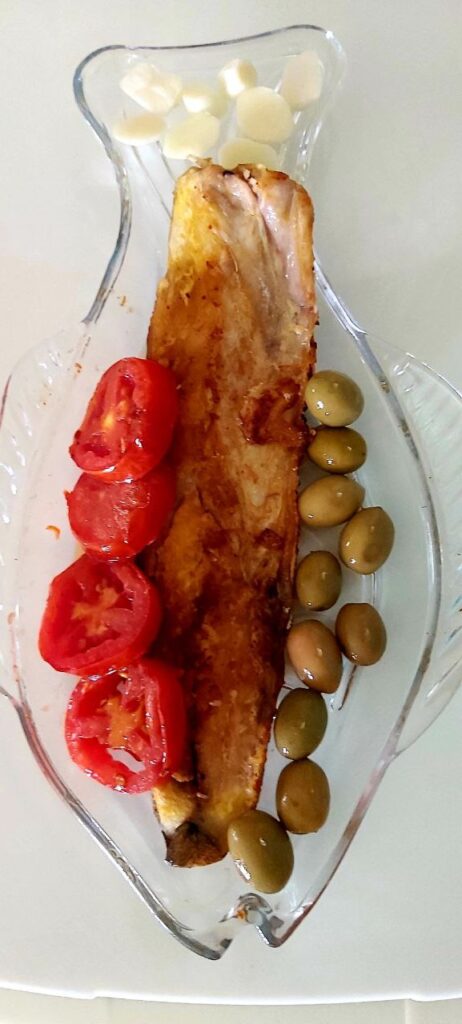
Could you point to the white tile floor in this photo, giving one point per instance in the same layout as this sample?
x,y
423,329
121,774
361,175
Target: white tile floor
x,y
26,1008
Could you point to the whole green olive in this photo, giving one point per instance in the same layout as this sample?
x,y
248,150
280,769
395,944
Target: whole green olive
x,y
337,449
300,724
261,850
302,797
330,501
361,633
315,655
333,398
366,541
318,580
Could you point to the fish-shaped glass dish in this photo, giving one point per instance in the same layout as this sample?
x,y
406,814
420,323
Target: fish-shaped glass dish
x,y
412,422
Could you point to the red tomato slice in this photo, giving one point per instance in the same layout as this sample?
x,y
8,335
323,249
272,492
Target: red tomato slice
x,y
165,710
129,421
119,521
98,617
143,715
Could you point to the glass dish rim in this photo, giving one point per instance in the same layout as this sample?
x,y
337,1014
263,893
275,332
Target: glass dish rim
x,y
261,922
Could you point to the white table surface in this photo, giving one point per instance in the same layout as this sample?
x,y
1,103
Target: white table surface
x,y
389,229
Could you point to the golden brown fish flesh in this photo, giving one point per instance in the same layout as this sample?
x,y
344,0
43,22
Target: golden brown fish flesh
x,y
234,319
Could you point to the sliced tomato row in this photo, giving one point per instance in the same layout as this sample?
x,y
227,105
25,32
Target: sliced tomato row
x,y
102,613
126,431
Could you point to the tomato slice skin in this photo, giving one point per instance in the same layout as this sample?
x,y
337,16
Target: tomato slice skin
x,y
129,421
99,617
119,521
143,714
165,709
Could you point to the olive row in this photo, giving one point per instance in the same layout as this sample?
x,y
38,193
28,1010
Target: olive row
x,y
258,842
365,541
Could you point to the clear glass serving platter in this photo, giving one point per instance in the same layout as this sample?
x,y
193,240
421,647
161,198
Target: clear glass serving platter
x,y
413,423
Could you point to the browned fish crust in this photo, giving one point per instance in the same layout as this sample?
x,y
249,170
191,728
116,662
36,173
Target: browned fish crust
x,y
234,319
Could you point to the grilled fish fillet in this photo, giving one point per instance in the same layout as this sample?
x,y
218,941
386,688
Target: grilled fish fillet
x,y
234,319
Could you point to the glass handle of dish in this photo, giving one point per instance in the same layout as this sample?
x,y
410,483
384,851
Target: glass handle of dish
x,y
430,412
433,409
32,395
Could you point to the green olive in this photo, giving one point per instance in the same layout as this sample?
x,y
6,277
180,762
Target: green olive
x,y
318,581
301,721
261,850
366,541
361,633
315,655
330,501
333,398
337,449
302,797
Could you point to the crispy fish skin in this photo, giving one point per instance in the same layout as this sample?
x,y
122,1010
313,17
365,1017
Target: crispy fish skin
x,y
234,319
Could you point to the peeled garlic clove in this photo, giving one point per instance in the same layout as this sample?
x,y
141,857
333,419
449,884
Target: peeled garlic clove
x,y
137,76
238,75
264,115
139,129
302,80
195,136
200,96
153,89
246,151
